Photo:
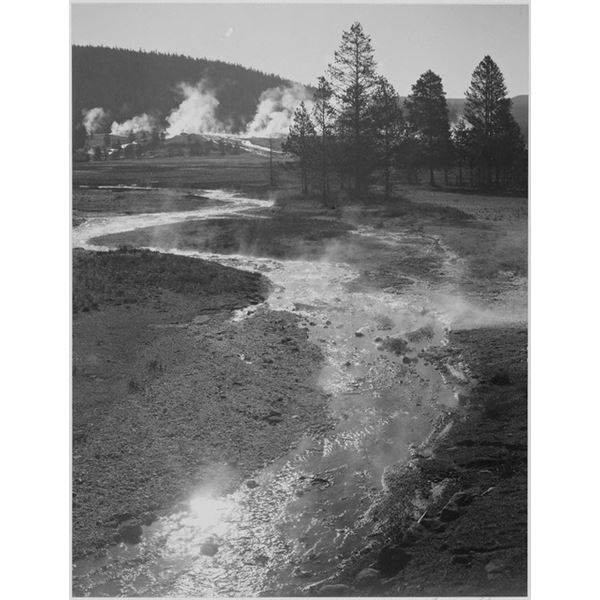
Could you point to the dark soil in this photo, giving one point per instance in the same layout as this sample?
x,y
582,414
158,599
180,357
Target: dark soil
x,y
453,521
170,392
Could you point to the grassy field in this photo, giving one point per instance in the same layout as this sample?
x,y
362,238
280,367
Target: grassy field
x,y
94,201
246,170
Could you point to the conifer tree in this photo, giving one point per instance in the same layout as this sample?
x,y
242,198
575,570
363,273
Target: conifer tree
x,y
428,119
487,110
301,142
460,140
324,114
389,127
353,78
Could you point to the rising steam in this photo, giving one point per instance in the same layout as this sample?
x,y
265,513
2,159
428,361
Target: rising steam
x,y
137,124
275,110
93,119
196,113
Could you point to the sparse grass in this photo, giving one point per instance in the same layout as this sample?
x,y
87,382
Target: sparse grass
x,y
127,276
182,172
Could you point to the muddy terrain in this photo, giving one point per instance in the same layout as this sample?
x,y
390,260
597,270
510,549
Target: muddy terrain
x,y
281,398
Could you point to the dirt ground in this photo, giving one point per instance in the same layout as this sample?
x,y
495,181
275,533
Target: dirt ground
x,y
165,387
452,521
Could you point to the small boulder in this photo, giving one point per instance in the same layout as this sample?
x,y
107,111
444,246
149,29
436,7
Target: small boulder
x,y
367,578
301,573
461,498
130,532
148,518
495,566
450,512
251,484
209,548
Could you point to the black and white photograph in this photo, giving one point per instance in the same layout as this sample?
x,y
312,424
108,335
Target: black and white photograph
x,y
299,278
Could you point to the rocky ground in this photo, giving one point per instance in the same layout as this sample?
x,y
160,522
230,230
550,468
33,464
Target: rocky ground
x,y
453,520
166,388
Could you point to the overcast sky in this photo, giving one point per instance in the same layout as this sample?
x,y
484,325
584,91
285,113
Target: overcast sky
x,y
297,41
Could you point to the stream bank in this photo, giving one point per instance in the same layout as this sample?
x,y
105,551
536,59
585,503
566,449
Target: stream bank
x,y
388,380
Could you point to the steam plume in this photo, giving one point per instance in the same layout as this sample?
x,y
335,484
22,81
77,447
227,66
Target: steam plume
x,y
137,124
196,113
93,119
275,110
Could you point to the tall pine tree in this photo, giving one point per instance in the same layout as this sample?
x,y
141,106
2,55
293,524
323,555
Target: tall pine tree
x,y
428,120
301,142
494,132
353,77
389,127
323,115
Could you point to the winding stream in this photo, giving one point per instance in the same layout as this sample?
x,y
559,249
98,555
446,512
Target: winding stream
x,y
305,515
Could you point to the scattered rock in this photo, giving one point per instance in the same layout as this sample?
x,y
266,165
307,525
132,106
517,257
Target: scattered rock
x,y
461,498
148,518
495,566
367,578
273,417
384,323
433,524
423,333
396,345
209,548
131,532
450,512
334,589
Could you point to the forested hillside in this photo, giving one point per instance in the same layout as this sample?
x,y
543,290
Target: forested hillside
x,y
126,83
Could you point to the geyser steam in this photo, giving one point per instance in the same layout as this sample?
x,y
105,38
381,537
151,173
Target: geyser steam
x,y
93,119
196,113
137,124
275,110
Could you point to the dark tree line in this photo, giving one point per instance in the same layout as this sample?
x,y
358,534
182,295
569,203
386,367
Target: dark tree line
x,y
127,83
361,132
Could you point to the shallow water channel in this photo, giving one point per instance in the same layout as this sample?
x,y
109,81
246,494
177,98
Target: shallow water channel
x,y
303,515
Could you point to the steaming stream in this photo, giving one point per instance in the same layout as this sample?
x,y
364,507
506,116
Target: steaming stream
x,y
303,519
